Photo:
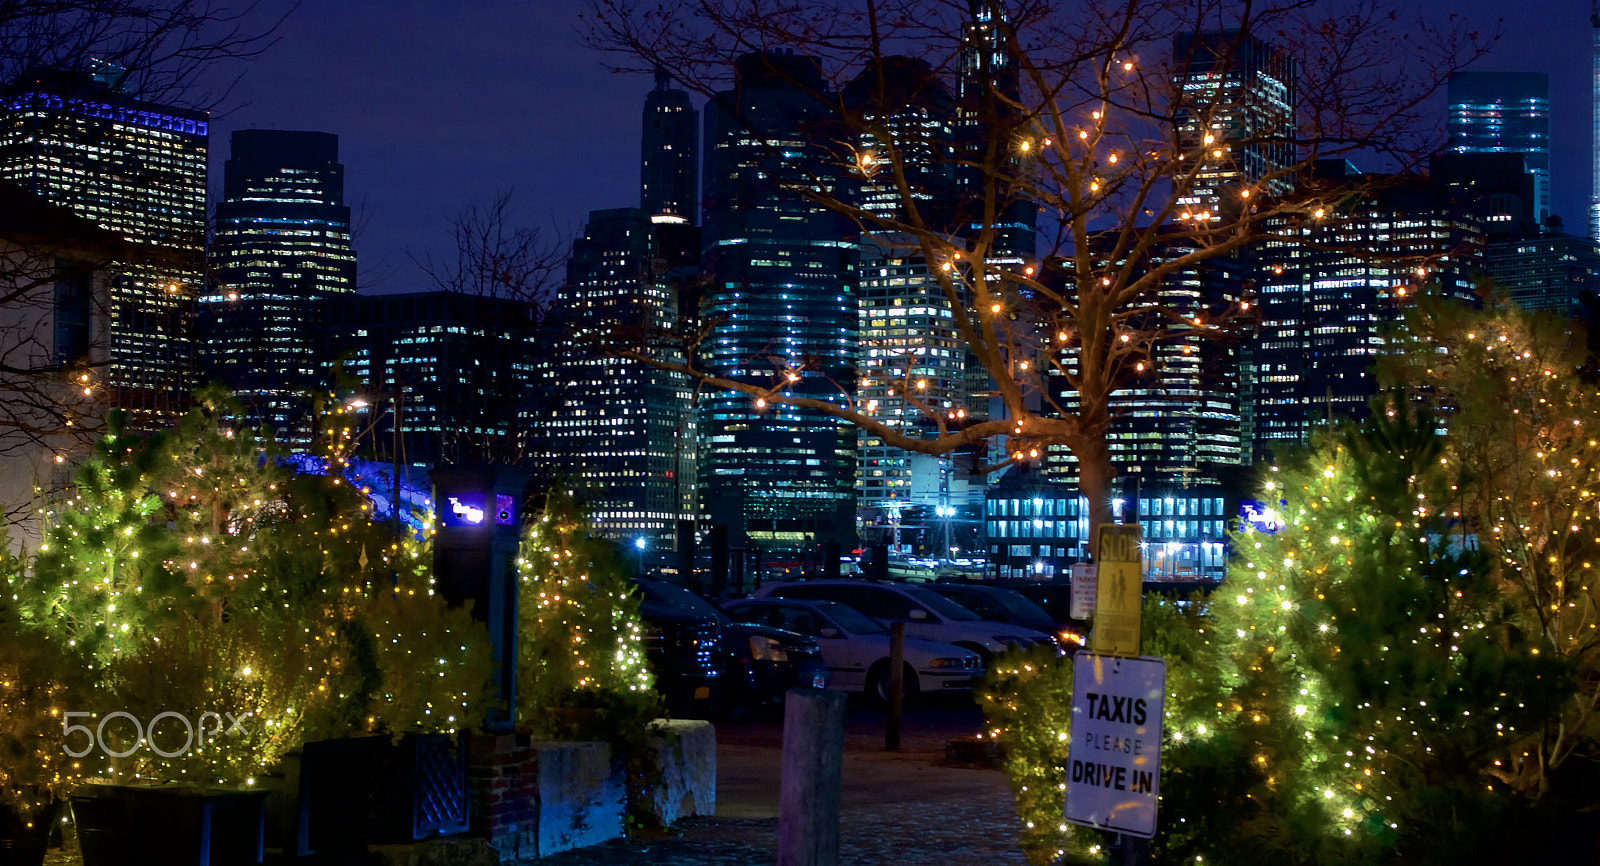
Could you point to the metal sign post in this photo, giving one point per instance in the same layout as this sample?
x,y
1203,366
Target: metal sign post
x,y
1114,762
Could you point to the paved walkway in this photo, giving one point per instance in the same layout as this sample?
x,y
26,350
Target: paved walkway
x,y
898,809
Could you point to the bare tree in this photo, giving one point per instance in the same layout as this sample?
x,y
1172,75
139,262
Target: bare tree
x,y
495,256
156,48
1138,150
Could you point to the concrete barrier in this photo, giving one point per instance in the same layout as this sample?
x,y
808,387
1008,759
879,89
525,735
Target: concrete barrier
x,y
686,750
536,798
581,796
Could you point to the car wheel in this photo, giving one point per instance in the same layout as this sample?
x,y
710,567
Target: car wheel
x,y
984,655
878,684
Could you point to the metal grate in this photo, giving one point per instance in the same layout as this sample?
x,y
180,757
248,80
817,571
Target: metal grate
x,y
441,797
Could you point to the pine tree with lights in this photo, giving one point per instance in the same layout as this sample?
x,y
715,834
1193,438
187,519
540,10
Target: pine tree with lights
x,y
433,660
100,580
1371,673
581,668
191,571
40,679
1364,687
1517,390
581,630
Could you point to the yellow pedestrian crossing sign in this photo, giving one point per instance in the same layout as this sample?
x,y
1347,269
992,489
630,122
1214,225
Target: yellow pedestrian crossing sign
x,y
1117,597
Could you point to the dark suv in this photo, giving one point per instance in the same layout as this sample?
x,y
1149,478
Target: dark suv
x,y
683,648
749,665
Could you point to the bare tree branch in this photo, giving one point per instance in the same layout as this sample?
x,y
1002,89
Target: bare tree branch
x,y
1103,134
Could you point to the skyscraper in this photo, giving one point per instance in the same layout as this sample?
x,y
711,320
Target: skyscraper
x,y
622,437
136,169
1594,124
987,120
782,287
669,160
903,112
282,246
913,374
1505,112
1554,271
1236,98
1327,292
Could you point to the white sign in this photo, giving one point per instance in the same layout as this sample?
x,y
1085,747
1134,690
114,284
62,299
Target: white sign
x,y
1114,762
1083,589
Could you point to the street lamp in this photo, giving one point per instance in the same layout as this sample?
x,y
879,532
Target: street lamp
x,y
639,545
397,398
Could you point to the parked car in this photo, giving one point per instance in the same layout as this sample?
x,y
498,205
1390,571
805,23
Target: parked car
x,y
999,604
856,647
683,648
1054,596
754,665
927,614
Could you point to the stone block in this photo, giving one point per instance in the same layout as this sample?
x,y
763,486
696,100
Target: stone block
x,y
686,750
581,798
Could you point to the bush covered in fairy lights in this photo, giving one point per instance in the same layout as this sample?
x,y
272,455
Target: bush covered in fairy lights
x,y
191,572
1407,669
581,629
582,672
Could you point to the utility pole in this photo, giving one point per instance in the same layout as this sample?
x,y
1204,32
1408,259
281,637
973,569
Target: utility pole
x,y
399,400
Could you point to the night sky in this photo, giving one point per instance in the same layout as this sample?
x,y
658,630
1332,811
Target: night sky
x,y
437,104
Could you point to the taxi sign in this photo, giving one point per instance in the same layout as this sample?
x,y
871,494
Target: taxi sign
x,y
1114,760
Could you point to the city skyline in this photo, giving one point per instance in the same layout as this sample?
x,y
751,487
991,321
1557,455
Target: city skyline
x,y
425,131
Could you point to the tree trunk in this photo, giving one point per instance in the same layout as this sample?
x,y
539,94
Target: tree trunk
x,y
1095,474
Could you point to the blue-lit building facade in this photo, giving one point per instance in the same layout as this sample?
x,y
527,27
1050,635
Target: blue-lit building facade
x,y
138,170
1504,112
782,288
282,248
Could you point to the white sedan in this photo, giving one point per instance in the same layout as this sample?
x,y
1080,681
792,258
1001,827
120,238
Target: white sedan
x,y
855,647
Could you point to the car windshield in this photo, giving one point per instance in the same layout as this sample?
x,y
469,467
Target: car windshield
x,y
1020,606
1055,599
848,618
941,605
676,596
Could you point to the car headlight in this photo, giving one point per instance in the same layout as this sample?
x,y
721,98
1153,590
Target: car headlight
x,y
940,664
1073,637
766,649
